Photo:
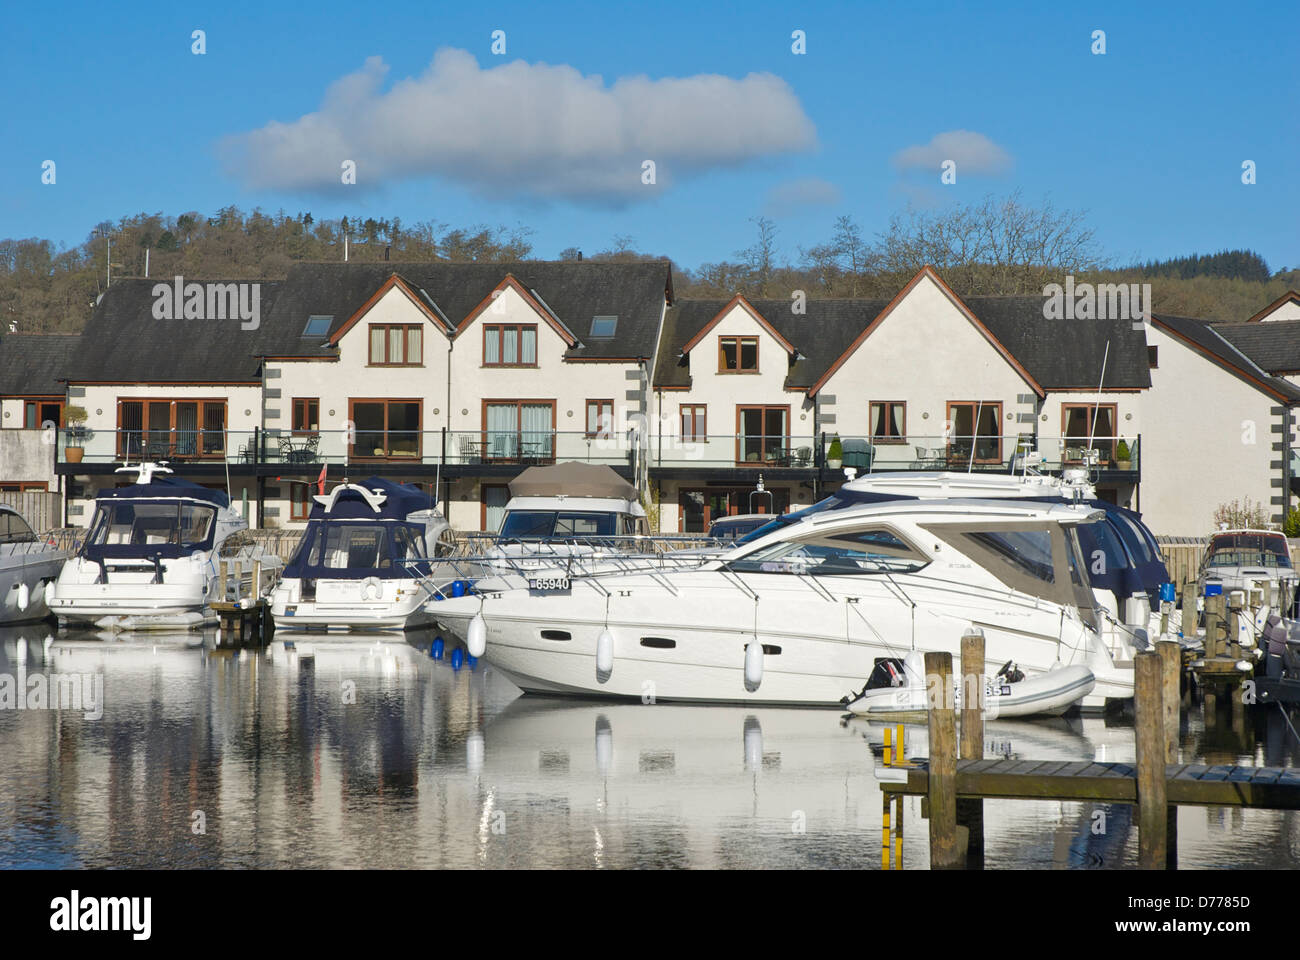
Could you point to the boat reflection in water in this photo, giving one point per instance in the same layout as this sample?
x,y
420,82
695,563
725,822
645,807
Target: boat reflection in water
x,y
363,750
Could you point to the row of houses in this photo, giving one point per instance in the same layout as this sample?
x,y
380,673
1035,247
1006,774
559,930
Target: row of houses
x,y
461,374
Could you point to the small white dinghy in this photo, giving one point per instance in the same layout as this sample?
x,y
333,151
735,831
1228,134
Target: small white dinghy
x,y
1009,694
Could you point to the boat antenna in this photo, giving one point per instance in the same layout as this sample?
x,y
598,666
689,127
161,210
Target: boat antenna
x,y
1096,407
975,431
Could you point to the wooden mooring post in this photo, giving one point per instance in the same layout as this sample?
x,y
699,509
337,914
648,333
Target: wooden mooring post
x,y
970,810
1171,667
945,845
1153,814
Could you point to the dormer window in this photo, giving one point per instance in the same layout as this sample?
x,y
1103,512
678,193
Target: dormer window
x,y
737,354
510,345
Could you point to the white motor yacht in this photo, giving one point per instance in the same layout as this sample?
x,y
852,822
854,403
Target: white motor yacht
x,y
28,565
803,613
359,564
154,554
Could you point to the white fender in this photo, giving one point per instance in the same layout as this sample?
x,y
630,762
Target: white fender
x,y
476,636
604,746
474,753
753,665
49,592
753,744
24,596
604,655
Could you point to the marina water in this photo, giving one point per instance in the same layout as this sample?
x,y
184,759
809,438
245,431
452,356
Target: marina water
x,y
354,750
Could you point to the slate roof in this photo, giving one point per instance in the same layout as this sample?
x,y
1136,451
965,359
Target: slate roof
x,y
1273,345
31,363
124,343
1059,354
576,291
1207,337
1066,354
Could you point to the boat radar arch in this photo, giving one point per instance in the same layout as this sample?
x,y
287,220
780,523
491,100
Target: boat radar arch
x,y
374,498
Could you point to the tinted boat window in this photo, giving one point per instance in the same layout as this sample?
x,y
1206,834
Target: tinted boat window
x,y
826,558
1030,551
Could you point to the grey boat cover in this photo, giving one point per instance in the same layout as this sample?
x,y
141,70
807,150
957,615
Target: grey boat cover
x,y
572,479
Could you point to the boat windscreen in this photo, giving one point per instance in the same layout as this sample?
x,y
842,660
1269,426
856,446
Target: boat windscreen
x,y
121,528
1248,550
836,501
14,529
345,551
536,524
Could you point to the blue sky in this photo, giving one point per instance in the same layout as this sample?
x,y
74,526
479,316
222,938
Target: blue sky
x,y
1149,138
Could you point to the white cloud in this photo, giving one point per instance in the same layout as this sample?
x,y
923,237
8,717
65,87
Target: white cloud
x,y
972,152
524,129
796,196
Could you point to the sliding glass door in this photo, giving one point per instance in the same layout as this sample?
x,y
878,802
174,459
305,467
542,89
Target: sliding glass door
x,y
519,430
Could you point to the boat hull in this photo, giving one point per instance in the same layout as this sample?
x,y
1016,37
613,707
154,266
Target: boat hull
x,y
32,571
818,645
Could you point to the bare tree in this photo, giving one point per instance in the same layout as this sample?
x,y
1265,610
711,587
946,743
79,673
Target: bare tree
x,y
760,258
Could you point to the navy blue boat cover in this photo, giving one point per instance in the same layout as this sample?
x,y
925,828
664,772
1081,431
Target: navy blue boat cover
x,y
164,488
384,557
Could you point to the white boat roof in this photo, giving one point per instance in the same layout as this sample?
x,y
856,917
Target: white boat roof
x,y
936,484
581,504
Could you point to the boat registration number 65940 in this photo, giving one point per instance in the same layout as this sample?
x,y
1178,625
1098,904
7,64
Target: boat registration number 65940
x,y
549,584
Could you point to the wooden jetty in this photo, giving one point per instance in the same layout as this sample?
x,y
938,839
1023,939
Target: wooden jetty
x,y
953,789
245,622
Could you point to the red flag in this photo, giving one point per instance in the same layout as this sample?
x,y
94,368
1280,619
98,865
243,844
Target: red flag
x,y
320,481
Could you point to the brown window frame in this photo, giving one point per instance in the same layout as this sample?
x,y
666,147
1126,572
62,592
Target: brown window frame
x,y
387,457
305,503
202,403
293,421
519,404
519,328
699,419
482,502
606,430
1108,452
1153,357
385,362
25,486
975,406
741,435
740,341
871,421
39,402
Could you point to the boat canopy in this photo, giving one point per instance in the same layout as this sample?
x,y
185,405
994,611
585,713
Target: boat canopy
x,y
165,488
572,479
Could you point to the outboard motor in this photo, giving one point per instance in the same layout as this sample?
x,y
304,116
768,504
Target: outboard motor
x,y
1283,651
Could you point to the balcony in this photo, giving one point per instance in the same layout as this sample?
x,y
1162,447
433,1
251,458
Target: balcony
x,y
874,455
271,451
483,452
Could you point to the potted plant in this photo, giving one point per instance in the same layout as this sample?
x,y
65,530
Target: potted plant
x,y
835,455
75,418
1123,457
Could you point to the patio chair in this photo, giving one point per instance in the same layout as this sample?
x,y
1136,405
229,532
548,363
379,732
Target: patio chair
x,y
802,456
